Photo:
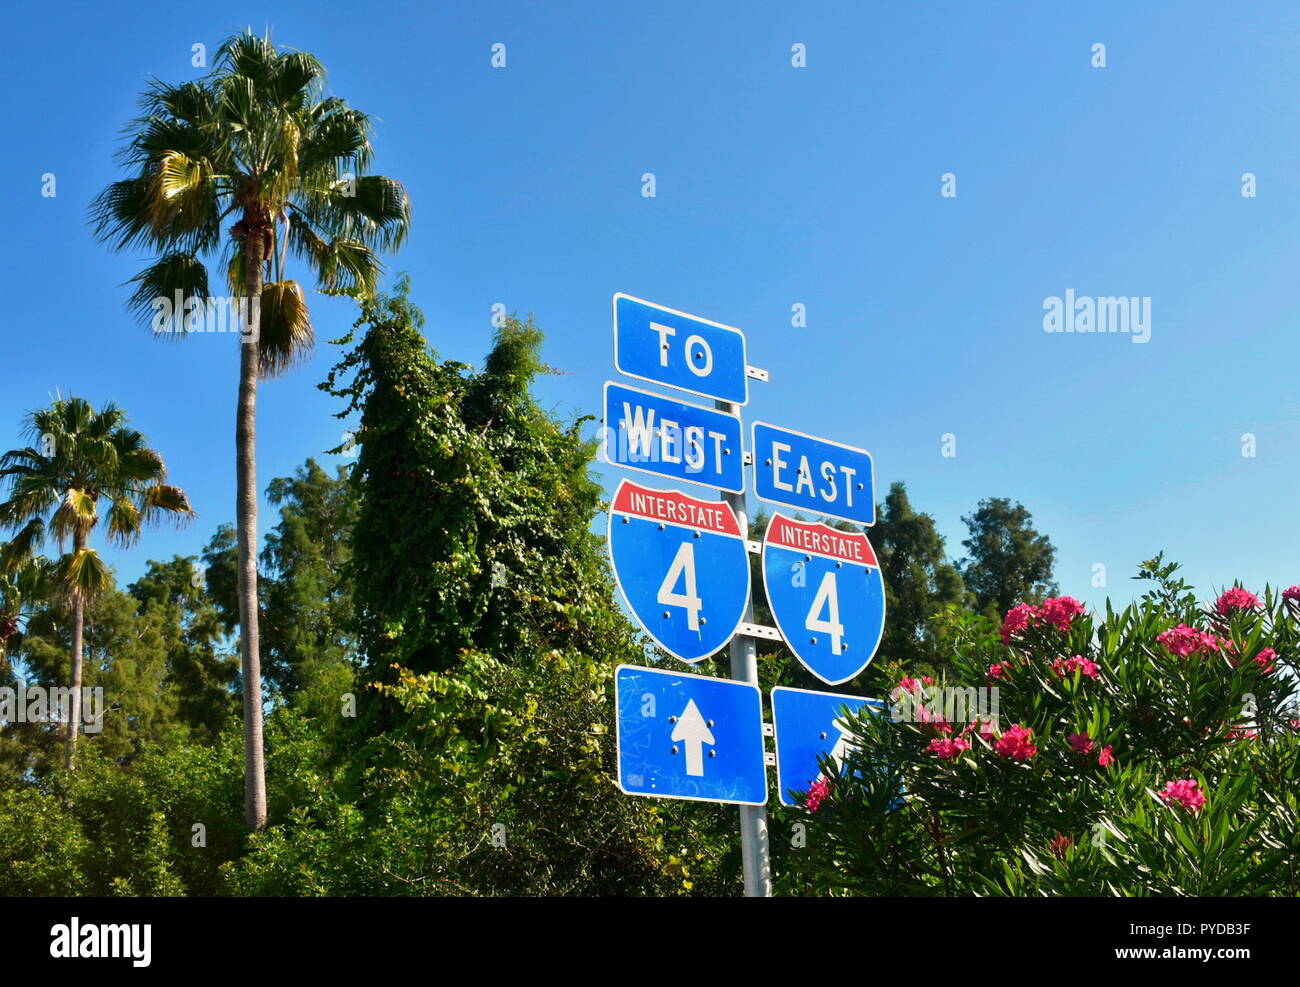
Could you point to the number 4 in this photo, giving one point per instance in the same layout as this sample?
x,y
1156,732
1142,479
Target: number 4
x,y
684,567
827,598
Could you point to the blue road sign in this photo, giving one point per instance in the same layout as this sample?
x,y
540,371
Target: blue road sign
x,y
810,725
683,441
813,475
665,346
827,595
682,566
689,736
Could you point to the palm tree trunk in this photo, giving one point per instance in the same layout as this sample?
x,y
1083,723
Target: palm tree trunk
x,y
78,627
246,518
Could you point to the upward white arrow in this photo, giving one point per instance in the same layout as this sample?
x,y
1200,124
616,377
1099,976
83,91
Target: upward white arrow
x,y
841,748
694,732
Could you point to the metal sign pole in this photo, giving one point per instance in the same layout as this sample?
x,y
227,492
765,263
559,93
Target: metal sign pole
x,y
744,668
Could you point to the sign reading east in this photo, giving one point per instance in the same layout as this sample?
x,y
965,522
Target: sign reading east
x,y
682,441
689,736
826,593
668,347
813,475
682,567
809,726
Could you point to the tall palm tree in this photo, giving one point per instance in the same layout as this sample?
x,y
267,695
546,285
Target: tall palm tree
x,y
262,142
82,465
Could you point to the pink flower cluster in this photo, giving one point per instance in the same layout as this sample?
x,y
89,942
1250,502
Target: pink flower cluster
x,y
1059,611
948,748
1017,744
1066,667
1236,599
1264,660
1186,793
1183,641
1000,670
1291,594
1083,744
818,792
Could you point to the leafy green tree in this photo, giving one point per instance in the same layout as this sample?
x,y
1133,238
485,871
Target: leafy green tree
x,y
1009,561
80,461
261,141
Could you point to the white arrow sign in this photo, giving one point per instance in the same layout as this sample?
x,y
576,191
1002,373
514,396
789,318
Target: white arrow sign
x,y
694,732
841,748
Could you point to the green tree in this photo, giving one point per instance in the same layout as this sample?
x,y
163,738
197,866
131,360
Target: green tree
x,y
919,581
80,461
1009,562
261,141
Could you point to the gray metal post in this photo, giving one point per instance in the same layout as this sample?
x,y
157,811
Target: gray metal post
x,y
744,668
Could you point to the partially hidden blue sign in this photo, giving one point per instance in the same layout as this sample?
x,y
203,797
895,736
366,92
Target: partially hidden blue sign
x,y
814,475
686,736
665,346
671,438
809,726
826,593
682,567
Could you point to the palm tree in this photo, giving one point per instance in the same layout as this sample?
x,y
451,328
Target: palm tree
x,y
260,141
81,460
20,589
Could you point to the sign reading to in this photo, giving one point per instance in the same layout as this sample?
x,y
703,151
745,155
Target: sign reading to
x,y
827,595
689,736
659,435
682,566
809,726
665,346
813,475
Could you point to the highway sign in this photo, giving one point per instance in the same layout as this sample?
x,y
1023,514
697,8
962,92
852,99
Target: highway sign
x,y
689,736
814,475
665,346
827,595
810,725
671,438
682,566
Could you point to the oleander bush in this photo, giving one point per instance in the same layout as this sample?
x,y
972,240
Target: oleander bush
x,y
1151,750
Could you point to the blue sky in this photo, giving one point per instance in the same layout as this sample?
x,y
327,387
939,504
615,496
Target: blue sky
x,y
775,185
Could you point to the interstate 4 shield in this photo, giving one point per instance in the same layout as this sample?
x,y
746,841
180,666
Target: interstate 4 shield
x,y
681,565
827,595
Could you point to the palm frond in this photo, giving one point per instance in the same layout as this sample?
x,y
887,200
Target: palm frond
x,y
285,333
157,290
83,573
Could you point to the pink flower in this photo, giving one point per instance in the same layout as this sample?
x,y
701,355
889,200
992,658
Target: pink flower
x,y
1001,670
1066,667
818,792
1081,743
1017,744
983,725
1183,641
933,721
1264,659
927,680
948,748
1292,594
1017,620
1059,611
1105,759
1242,733
1236,599
1061,844
1186,793
910,684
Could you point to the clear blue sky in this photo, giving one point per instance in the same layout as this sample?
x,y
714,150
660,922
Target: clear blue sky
x,y
775,185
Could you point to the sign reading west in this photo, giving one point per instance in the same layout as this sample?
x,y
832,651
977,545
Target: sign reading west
x,y
668,347
814,475
671,438
689,736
